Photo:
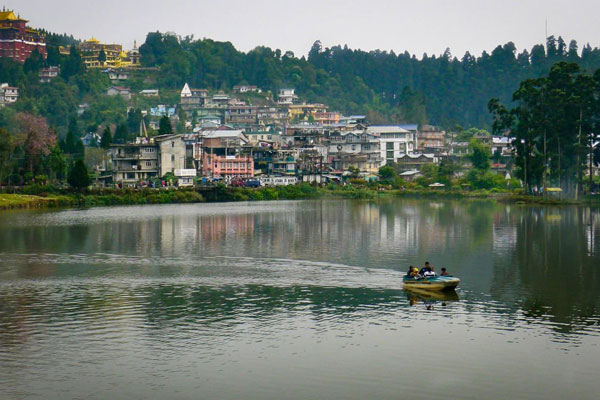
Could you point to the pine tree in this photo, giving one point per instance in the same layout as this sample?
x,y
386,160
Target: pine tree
x,y
164,127
107,139
79,177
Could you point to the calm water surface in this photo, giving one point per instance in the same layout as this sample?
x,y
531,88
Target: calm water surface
x,y
299,300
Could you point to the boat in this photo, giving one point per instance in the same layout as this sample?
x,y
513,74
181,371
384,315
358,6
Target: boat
x,y
444,282
432,295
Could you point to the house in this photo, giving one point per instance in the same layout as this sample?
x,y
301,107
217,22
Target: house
x,y
8,94
220,100
218,153
413,161
116,75
172,153
119,91
241,114
185,177
286,96
47,74
134,162
246,89
192,99
358,149
395,141
149,93
430,138
161,110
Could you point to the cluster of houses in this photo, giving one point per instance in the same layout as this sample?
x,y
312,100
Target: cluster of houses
x,y
280,141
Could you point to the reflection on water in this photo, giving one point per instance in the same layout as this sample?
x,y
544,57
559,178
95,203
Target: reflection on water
x,y
299,300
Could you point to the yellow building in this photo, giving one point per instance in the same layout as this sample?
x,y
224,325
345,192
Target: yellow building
x,y
303,111
116,57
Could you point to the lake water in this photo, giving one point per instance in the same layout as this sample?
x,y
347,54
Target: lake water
x,y
299,300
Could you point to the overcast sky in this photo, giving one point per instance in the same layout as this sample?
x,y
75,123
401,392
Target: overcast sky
x,y
417,26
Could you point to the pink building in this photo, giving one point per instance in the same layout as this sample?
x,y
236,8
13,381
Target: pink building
x,y
215,165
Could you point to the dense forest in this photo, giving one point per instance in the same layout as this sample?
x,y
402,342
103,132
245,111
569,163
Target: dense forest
x,y
389,87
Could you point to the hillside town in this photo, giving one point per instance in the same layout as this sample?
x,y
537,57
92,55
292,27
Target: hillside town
x,y
238,135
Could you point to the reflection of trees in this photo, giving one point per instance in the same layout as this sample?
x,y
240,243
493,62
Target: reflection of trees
x,y
170,305
554,266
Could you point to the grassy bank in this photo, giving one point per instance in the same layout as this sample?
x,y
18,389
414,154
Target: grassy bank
x,y
39,197
12,201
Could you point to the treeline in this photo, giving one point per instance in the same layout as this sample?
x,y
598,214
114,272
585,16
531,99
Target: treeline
x,y
555,123
388,87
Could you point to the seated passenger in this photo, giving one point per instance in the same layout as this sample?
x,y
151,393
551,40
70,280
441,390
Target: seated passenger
x,y
444,272
412,272
424,269
429,273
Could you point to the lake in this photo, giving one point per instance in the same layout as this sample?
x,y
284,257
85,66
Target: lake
x,y
299,300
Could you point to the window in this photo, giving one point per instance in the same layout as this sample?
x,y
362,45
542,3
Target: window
x,y
149,149
389,146
172,157
172,144
367,147
353,147
390,155
148,163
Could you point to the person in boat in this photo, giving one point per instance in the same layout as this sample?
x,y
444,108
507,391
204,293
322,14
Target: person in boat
x,y
429,272
413,272
444,272
424,269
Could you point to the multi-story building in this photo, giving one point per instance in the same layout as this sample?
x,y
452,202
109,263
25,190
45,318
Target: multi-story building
x,y
395,141
192,99
286,96
430,139
145,159
17,40
8,94
246,89
241,114
355,149
304,111
47,74
218,153
115,57
133,163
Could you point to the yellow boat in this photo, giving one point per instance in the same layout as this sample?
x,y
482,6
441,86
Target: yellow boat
x,y
434,283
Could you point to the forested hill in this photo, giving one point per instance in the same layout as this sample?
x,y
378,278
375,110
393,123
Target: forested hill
x,y
388,87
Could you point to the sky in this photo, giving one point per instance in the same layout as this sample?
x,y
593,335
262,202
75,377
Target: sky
x,y
416,26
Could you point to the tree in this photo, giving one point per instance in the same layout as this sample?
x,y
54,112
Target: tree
x,y
102,57
57,163
79,177
6,150
479,155
164,126
134,118
106,140
73,65
121,134
39,139
387,173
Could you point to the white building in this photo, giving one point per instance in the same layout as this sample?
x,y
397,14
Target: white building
x,y
394,141
286,96
185,177
8,94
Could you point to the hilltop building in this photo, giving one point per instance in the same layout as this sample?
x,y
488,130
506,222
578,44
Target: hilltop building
x,y
17,40
116,57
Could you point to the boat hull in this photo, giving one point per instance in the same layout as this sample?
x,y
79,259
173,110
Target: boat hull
x,y
437,283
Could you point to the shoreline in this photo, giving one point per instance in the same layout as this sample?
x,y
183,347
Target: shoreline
x,y
38,198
